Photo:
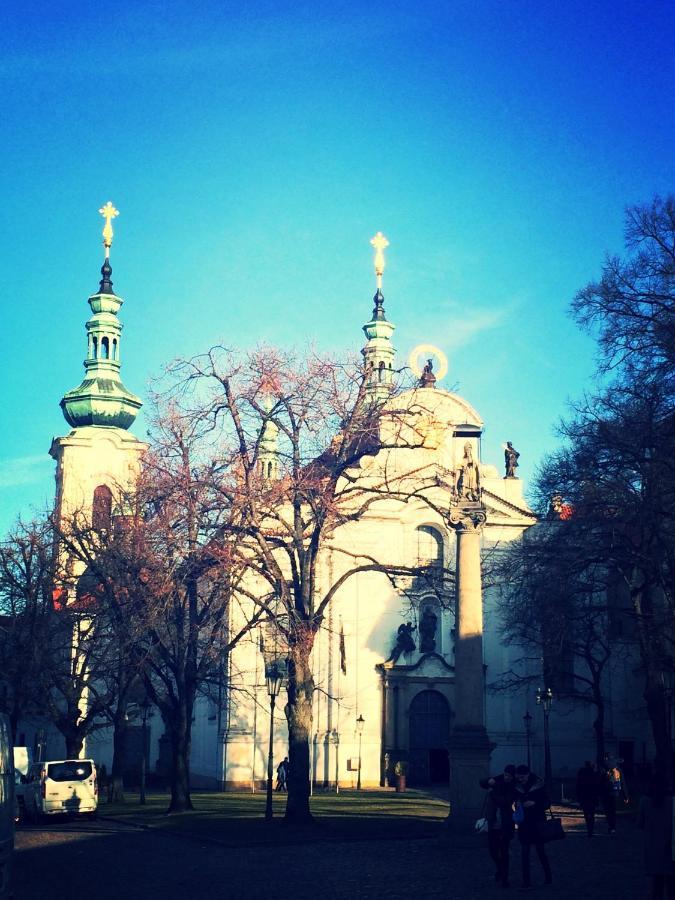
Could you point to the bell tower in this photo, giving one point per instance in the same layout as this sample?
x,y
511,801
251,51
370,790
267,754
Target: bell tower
x,y
99,457
379,352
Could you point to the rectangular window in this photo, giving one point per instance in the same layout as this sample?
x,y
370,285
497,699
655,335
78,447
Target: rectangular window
x,y
69,771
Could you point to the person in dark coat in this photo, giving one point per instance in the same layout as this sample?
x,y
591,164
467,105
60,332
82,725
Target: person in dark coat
x,y
531,802
282,775
588,792
499,814
655,817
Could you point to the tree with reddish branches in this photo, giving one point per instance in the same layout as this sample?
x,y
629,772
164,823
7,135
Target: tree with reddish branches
x,y
289,437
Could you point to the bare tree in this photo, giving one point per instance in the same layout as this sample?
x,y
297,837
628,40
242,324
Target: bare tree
x,y
291,436
25,616
615,468
553,608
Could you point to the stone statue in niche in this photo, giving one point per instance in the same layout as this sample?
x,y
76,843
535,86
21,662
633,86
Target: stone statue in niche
x,y
404,641
468,476
428,624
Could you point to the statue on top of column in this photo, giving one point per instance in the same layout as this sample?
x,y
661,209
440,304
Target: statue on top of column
x,y
468,476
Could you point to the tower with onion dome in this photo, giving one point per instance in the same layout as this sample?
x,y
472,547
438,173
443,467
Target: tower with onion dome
x,y
379,352
98,460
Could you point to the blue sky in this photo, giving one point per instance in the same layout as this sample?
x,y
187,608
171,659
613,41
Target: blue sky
x,y
254,148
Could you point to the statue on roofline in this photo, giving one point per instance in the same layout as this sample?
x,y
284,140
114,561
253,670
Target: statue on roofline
x,y
510,460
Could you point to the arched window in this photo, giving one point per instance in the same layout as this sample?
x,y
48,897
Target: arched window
x,y
101,512
104,348
429,547
381,370
95,346
114,348
269,469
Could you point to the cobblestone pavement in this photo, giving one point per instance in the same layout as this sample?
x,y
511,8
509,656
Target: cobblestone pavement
x,y
109,861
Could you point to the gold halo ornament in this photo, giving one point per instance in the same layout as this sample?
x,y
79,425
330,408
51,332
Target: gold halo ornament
x,y
428,350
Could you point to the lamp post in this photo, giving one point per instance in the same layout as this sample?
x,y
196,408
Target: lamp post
x,y
145,713
274,676
527,719
336,740
359,728
544,699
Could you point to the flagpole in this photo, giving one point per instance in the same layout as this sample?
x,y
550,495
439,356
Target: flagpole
x,y
343,664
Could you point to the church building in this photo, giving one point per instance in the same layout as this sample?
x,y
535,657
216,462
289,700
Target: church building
x,y
403,665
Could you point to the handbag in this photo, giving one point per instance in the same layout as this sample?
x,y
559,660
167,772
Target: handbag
x,y
550,829
481,825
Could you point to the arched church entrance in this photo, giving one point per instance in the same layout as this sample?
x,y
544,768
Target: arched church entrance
x,y
429,719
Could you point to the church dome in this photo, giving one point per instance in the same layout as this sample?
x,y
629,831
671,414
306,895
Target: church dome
x,y
446,407
102,399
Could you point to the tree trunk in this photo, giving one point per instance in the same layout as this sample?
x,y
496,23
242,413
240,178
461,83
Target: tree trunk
x,y
179,730
74,742
116,786
658,712
658,708
14,720
599,728
299,717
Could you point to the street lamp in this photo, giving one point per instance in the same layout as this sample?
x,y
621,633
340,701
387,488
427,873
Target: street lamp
x,y
336,740
360,722
274,676
544,699
527,719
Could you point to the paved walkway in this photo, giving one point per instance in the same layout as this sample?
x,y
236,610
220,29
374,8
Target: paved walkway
x,y
109,861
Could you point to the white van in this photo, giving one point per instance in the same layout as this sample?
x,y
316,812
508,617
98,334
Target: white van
x,y
61,786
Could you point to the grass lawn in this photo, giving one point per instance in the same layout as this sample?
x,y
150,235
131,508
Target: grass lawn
x,y
238,818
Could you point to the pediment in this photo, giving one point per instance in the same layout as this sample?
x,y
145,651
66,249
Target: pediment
x,y
430,665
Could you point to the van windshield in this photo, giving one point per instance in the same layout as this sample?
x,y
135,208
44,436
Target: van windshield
x,y
69,771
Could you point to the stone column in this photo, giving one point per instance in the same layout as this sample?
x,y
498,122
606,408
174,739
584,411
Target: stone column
x,y
469,745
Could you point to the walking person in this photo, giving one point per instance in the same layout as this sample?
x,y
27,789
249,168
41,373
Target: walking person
x,y
588,793
282,775
531,804
499,815
612,788
655,817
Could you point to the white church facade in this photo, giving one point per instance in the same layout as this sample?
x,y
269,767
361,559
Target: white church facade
x,y
402,665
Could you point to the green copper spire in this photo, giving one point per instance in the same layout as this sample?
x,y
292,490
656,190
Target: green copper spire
x,y
102,399
379,353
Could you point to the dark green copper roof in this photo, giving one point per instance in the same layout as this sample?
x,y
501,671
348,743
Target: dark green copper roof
x,y
102,399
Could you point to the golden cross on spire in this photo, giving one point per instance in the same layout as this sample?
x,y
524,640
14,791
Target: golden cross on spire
x,y
109,213
379,242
